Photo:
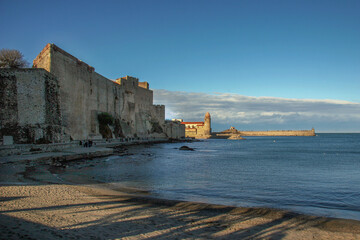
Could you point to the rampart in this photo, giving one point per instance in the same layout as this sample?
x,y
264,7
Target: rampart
x,y
85,94
30,106
175,129
62,98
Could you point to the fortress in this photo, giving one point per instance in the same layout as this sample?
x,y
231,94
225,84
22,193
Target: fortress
x,y
62,98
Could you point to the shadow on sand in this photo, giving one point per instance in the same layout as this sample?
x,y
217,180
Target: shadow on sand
x,y
113,216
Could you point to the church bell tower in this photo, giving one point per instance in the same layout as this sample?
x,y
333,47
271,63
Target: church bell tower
x,y
207,124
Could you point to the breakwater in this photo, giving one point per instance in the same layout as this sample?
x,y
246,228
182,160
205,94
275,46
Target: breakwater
x,y
279,133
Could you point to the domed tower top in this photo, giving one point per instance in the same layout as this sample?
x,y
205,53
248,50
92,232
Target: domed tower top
x,y
207,115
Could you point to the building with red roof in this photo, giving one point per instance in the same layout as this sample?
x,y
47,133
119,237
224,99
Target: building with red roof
x,y
200,130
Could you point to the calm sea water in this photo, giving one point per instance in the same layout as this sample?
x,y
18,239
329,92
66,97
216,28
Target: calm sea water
x,y
313,175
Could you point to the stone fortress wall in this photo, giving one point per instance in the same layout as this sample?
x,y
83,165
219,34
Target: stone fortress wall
x,y
29,106
80,96
85,93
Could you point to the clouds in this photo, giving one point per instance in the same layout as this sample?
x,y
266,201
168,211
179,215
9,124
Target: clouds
x,y
261,113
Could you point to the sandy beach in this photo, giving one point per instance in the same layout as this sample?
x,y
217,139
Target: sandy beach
x,y
92,212
38,205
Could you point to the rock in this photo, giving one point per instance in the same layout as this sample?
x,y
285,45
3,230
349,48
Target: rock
x,y
35,149
186,148
236,137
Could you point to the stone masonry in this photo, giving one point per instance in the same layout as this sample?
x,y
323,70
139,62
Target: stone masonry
x,y
30,106
62,98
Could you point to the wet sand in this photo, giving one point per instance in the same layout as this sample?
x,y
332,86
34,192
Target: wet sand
x,y
55,211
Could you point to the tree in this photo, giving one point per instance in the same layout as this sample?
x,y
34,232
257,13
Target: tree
x,y
11,58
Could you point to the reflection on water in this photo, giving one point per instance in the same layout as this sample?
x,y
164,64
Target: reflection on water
x,y
313,175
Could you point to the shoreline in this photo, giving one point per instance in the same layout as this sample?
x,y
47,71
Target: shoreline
x,y
34,209
72,151
74,211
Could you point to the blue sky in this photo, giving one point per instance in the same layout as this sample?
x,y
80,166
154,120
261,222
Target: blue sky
x,y
270,48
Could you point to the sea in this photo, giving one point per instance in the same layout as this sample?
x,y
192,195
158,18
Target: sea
x,y
317,175
312,175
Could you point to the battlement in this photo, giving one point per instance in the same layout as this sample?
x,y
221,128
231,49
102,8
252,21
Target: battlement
x,y
128,80
52,47
159,106
144,85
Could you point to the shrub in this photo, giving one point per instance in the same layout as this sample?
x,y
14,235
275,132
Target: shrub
x,y
10,58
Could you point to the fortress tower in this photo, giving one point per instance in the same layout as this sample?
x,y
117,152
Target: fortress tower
x,y
207,124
